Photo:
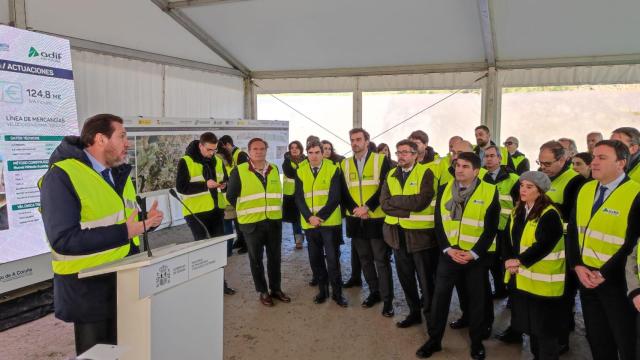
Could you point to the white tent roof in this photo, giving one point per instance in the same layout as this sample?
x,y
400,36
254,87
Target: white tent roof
x,y
277,35
134,24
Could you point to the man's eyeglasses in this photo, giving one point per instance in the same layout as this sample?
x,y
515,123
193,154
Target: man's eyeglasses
x,y
545,163
404,152
508,143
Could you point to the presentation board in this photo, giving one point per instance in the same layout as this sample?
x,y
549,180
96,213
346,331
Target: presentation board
x,y
157,144
37,108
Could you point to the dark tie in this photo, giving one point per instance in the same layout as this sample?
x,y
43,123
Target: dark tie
x,y
599,200
315,171
107,178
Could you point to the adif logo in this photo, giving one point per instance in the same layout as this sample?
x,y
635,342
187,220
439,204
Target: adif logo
x,y
33,52
51,56
612,212
4,47
480,202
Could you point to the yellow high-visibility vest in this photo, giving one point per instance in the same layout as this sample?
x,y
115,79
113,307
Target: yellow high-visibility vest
x,y
547,276
600,236
316,191
417,219
257,202
362,190
466,232
100,205
202,201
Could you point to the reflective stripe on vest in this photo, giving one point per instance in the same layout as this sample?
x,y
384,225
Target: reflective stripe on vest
x,y
362,190
547,276
506,201
602,235
256,203
288,184
417,220
504,153
202,201
316,192
100,206
466,232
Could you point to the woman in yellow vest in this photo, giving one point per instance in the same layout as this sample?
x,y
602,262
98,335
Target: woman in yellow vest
x,y
290,212
536,267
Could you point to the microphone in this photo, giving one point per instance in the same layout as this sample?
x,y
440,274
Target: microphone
x,y
173,193
142,203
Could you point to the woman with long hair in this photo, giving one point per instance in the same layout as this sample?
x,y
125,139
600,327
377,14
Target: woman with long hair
x,y
290,213
536,267
329,153
384,150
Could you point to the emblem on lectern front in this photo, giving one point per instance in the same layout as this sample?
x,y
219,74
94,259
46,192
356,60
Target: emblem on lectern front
x,y
163,276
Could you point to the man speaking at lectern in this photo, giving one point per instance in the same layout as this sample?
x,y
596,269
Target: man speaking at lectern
x,y
88,205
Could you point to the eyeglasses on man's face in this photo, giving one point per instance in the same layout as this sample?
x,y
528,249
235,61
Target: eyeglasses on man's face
x,y
404,152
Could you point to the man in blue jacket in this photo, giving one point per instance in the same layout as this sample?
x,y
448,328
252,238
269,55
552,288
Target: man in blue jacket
x,y
90,218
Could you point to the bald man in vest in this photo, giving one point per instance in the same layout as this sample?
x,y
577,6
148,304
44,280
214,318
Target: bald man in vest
x,y
254,189
82,197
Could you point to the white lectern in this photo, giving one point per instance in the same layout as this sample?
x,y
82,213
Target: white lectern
x,y
170,306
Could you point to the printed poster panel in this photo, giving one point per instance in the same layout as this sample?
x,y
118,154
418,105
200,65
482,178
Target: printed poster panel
x,y
37,109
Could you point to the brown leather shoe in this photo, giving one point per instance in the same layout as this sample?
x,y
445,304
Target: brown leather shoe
x,y
280,296
265,299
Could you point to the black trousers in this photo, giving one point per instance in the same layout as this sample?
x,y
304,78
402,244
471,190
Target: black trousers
x,y
609,320
496,268
473,275
264,236
89,334
324,256
544,348
356,269
488,304
422,264
375,258
240,242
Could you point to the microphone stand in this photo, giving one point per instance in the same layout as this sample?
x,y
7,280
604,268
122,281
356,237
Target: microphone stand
x,y
142,203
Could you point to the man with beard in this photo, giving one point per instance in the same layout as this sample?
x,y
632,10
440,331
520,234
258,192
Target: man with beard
x,y
408,229
364,174
565,184
88,205
483,140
